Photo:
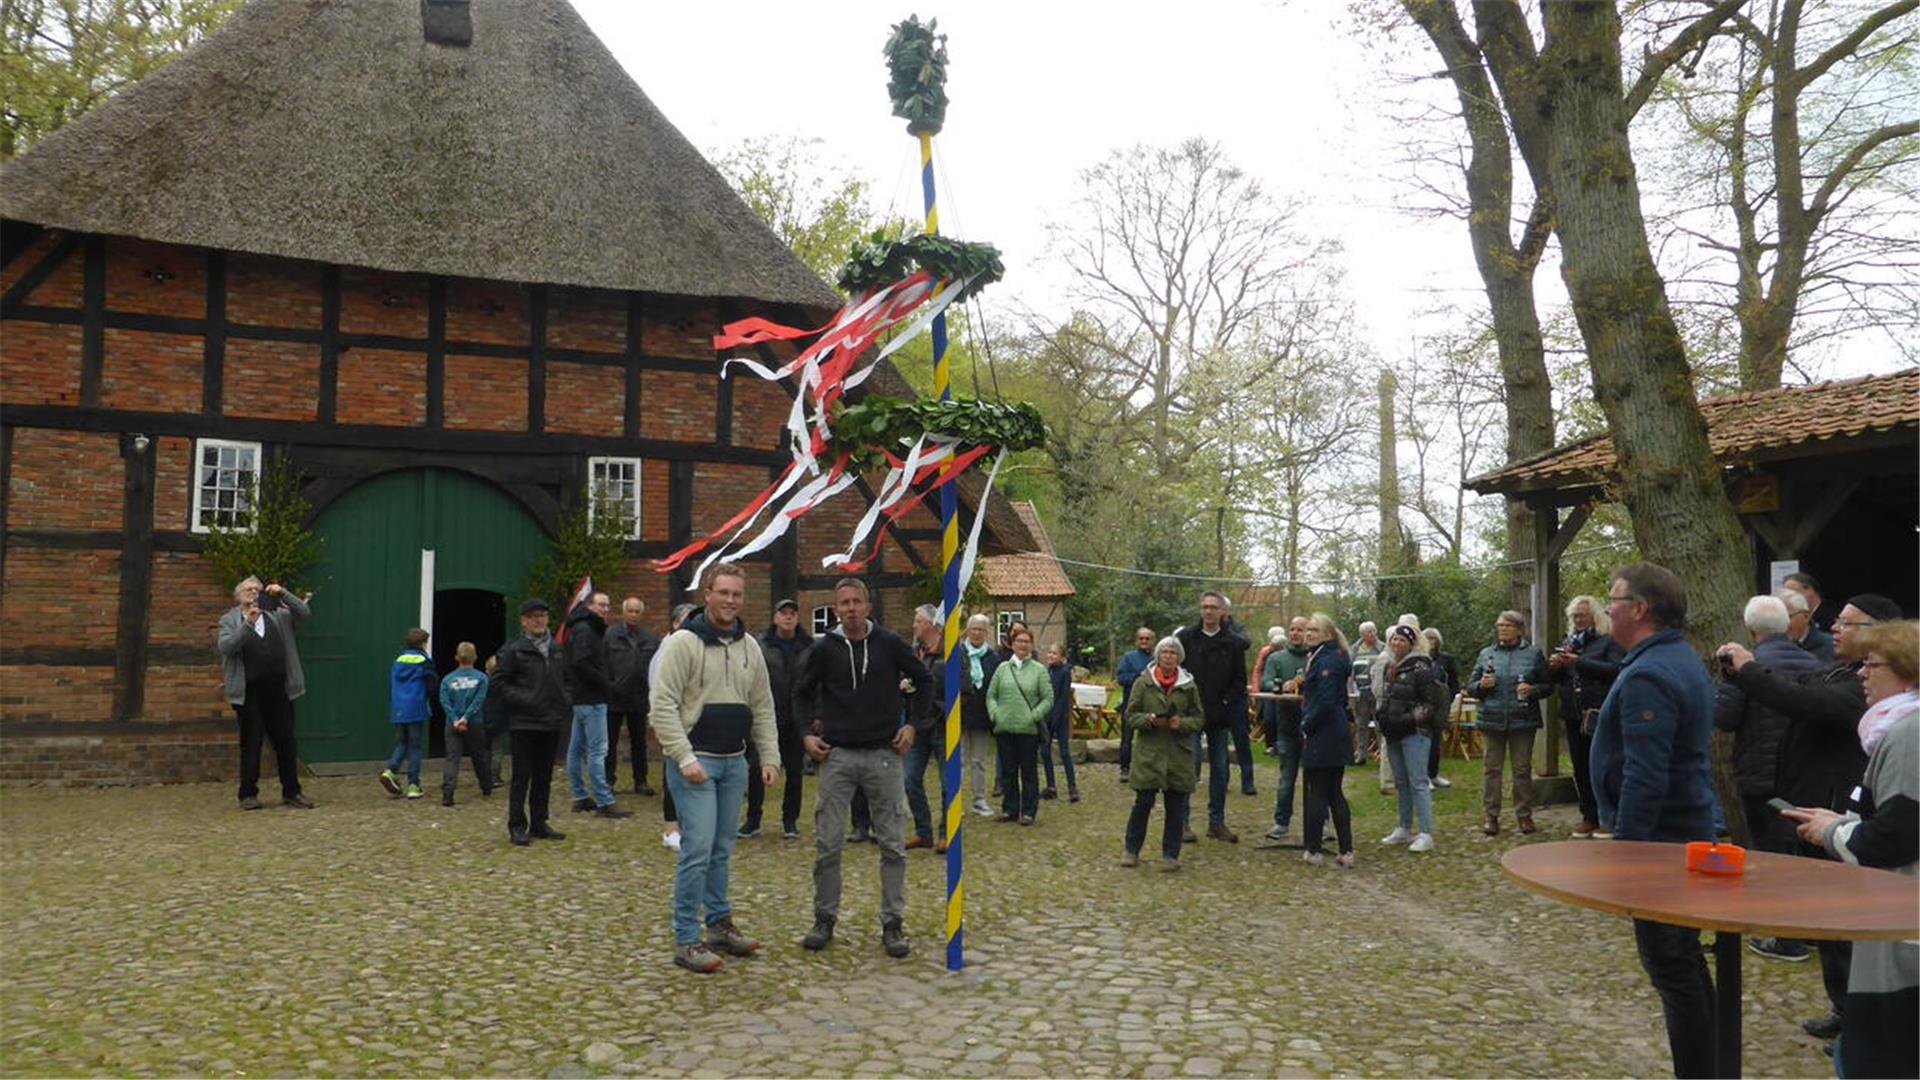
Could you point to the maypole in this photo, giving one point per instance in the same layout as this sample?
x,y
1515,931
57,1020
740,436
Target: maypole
x,y
917,63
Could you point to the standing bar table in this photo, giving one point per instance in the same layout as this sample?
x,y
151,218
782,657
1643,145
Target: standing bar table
x,y
1778,896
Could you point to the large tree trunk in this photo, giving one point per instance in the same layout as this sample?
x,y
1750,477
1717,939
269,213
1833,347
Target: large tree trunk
x,y
1389,495
1667,476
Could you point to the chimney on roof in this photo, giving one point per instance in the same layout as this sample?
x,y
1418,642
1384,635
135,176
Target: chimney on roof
x,y
447,22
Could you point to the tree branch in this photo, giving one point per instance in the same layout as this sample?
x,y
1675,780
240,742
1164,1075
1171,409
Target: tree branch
x,y
1693,37
1843,48
1823,197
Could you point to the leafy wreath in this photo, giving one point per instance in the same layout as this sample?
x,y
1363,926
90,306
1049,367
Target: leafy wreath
x,y
876,424
881,260
917,75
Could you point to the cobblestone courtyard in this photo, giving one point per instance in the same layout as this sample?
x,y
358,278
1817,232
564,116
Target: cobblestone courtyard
x,y
160,931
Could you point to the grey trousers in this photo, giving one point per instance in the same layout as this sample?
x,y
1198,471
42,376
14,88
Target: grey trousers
x,y
879,774
471,743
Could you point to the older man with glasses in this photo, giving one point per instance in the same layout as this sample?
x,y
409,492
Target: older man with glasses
x,y
1820,756
1130,668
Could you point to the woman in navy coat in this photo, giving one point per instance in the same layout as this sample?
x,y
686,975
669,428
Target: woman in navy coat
x,y
1326,748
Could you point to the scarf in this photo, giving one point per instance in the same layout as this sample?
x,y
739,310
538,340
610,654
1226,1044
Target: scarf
x,y
1166,683
974,653
1878,718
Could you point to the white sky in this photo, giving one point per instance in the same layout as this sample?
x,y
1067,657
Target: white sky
x,y
1040,91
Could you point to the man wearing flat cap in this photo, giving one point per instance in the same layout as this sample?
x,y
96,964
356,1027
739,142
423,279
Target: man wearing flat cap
x,y
1820,760
530,678
785,644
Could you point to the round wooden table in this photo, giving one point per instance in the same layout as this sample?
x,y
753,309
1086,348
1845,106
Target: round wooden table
x,y
1778,896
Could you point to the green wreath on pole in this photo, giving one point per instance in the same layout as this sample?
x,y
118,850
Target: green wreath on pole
x,y
917,75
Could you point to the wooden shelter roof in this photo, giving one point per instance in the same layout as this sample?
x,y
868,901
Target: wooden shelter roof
x,y
1747,428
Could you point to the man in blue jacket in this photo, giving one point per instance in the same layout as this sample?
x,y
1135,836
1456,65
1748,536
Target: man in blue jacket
x,y
1652,778
1131,667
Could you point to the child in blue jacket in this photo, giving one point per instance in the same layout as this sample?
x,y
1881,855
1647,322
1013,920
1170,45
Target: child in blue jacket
x,y
410,691
463,701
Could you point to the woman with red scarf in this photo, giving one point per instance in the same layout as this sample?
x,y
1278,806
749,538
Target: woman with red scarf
x,y
1163,712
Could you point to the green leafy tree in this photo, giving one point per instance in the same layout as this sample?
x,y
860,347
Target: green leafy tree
x,y
63,57
269,539
818,211
587,544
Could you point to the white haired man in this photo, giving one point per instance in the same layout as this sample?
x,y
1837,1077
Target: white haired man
x,y
261,664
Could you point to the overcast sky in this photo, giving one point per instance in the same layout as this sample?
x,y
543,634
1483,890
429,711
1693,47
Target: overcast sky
x,y
1041,91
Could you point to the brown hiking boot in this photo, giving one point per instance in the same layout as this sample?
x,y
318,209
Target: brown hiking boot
x,y
697,958
1527,826
1219,831
723,936
1491,826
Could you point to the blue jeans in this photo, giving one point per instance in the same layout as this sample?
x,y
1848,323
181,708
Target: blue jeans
x,y
1218,753
410,742
709,825
587,754
1288,747
1062,734
927,746
1243,746
1408,756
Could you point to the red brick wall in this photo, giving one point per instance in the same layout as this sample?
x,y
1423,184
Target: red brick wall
x,y
486,394
166,757
148,372
655,499
172,482
39,364
146,278
759,411
490,311
266,291
273,380
592,319
65,479
63,288
188,600
33,692
379,302
378,386
589,399
719,491
187,691
677,406
680,327
54,597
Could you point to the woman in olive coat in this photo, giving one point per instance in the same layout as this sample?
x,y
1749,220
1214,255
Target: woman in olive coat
x,y
1164,713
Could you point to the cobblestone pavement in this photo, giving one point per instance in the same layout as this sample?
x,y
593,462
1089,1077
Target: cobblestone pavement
x,y
162,931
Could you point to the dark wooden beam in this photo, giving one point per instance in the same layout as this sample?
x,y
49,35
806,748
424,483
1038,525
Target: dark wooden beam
x,y
6,491
1564,534
1550,540
398,439
786,557
1833,495
136,578
537,360
329,344
436,351
93,327
630,417
680,518
17,294
723,393
893,580
213,363
169,540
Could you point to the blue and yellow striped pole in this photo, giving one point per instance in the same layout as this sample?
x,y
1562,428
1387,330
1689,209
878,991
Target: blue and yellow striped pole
x,y
950,766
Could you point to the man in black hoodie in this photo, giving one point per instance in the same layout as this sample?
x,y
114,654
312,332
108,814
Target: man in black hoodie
x,y
1217,658
586,653
853,685
785,645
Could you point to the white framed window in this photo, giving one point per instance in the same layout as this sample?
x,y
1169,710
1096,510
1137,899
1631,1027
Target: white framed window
x,y
226,481
1006,620
613,494
823,620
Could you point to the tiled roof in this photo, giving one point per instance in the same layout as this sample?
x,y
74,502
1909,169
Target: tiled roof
x,y
1034,573
1740,428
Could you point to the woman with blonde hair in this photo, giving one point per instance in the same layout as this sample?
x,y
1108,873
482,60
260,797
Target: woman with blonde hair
x,y
1326,747
1585,666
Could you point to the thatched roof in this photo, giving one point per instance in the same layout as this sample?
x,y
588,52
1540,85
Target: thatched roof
x,y
331,130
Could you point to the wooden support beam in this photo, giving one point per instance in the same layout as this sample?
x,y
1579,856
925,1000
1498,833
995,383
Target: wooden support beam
x,y
537,360
630,418
93,326
1550,541
136,579
329,344
38,275
436,351
213,354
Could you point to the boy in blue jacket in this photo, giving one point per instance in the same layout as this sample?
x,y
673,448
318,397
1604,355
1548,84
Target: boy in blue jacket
x,y
463,699
410,692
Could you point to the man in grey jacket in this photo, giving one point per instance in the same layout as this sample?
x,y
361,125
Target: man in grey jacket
x,y
263,676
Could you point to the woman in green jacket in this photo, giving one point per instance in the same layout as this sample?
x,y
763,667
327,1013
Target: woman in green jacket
x,y
1018,699
1164,713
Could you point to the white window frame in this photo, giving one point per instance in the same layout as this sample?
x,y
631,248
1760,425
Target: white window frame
x,y
597,468
201,489
824,619
1005,619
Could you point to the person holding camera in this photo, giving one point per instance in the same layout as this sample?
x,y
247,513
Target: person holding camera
x,y
263,676
1585,666
1509,677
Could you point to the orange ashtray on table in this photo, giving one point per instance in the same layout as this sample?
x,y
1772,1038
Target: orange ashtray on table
x,y
1709,858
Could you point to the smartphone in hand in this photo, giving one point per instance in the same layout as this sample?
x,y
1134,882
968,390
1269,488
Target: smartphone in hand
x,y
1780,806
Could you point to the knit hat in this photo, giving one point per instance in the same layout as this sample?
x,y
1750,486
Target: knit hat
x,y
1404,633
1875,607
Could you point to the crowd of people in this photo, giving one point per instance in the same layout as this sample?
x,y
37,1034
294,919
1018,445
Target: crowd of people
x,y
1827,722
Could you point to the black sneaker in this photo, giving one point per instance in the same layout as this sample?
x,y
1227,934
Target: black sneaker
x,y
251,802
1125,773
645,791
747,832
544,833
1825,1027
446,798
583,806
1778,949
519,837
790,832
611,811
821,933
893,937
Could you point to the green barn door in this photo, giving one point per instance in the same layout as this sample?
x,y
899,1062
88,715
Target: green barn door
x,y
371,592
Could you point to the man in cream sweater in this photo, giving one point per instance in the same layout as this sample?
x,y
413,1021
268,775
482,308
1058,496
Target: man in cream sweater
x,y
709,696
